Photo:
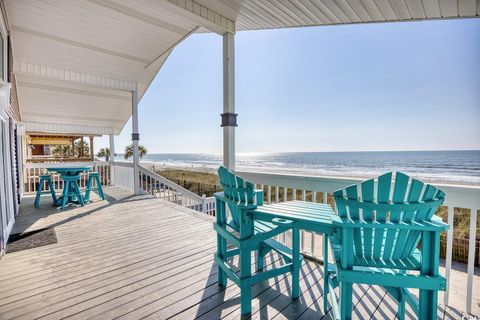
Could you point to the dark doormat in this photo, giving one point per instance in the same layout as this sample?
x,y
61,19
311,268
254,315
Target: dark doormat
x,y
32,239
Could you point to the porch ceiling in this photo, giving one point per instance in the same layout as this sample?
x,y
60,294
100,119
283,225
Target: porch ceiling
x,y
273,14
77,61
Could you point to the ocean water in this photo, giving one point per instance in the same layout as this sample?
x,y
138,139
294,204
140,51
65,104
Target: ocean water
x,y
461,167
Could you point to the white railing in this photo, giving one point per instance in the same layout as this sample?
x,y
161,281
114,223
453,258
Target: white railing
x,y
277,188
209,206
33,171
282,187
158,186
123,175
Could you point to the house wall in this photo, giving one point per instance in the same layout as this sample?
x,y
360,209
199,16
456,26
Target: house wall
x,y
10,144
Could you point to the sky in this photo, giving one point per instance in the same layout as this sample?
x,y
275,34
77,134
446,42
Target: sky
x,y
369,87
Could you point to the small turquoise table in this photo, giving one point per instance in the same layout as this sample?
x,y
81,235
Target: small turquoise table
x,y
309,216
71,190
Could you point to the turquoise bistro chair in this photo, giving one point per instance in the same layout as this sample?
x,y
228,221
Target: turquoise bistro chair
x,y
240,235
94,176
389,238
46,178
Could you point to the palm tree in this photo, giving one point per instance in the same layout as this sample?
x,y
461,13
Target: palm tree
x,y
104,153
61,151
129,151
78,147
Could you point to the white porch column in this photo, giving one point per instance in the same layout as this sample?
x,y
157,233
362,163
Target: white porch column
x,y
229,117
135,139
92,151
111,140
21,146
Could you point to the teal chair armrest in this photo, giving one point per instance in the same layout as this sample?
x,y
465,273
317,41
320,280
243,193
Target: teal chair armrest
x,y
259,196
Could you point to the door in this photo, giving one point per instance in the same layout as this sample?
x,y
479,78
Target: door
x,y
6,192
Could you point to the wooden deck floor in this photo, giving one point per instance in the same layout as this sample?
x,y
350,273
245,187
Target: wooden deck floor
x,y
140,257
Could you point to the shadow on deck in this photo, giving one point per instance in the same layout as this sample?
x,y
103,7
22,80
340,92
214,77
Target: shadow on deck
x,y
140,257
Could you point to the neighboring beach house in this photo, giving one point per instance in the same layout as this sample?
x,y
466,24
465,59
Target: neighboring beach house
x,y
78,68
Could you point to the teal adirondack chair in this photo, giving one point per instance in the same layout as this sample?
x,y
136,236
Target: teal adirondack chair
x,y
391,239
239,234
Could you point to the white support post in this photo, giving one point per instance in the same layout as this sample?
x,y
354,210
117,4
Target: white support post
x,y
111,139
135,139
20,156
229,117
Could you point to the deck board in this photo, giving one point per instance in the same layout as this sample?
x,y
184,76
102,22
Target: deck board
x,y
139,257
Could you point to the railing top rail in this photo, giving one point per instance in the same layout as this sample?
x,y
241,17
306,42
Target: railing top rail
x,y
123,164
64,164
468,196
57,164
171,184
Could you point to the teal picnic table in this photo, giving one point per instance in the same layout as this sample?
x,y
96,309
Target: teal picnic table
x,y
71,189
310,216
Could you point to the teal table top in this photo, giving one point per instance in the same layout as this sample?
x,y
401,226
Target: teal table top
x,y
316,217
69,170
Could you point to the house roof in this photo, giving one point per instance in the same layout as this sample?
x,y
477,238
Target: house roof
x,y
77,61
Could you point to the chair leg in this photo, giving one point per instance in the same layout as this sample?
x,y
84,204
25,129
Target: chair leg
x,y
401,306
99,188
326,275
345,301
39,193
295,263
427,301
87,192
245,289
221,241
66,191
221,251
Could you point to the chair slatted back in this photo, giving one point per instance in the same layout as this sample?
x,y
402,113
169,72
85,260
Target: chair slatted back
x,y
409,201
239,192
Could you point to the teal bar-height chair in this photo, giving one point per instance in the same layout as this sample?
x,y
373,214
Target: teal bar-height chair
x,y
40,190
91,177
389,238
240,234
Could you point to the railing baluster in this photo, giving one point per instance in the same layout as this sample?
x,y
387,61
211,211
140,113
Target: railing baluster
x,y
448,262
471,257
312,243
